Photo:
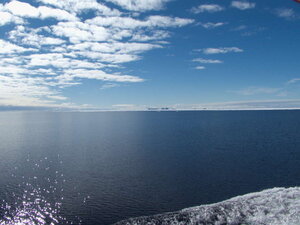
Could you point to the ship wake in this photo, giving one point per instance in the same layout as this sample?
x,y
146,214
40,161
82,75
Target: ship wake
x,y
277,206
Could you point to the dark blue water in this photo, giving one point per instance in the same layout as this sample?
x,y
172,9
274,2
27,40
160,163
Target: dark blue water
x,y
99,168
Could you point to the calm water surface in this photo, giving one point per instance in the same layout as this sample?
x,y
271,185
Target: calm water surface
x,y
99,168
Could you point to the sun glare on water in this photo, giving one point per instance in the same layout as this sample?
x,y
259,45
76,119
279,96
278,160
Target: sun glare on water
x,y
36,199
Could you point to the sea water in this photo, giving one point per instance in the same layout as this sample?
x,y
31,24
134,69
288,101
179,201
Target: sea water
x,y
103,167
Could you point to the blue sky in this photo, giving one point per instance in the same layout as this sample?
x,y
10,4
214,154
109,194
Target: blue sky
x,y
134,54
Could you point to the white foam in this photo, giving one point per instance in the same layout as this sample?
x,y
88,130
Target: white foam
x,y
277,206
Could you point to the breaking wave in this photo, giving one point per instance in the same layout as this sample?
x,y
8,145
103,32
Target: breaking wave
x,y
277,206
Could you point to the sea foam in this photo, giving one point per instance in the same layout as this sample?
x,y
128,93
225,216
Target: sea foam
x,y
277,206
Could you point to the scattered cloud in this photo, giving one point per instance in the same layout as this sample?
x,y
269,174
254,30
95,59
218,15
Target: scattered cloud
x,y
22,9
258,90
292,81
140,5
210,25
78,7
7,18
243,5
207,61
239,28
132,23
10,48
109,85
71,74
200,67
224,50
56,44
286,13
210,8
244,105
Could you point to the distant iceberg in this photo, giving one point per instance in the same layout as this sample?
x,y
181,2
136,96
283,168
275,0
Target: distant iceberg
x,y
277,206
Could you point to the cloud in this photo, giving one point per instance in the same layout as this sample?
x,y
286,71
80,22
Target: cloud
x,y
140,5
155,35
10,48
79,31
132,23
210,25
243,5
7,18
211,8
30,37
239,28
57,97
46,12
286,13
258,90
200,67
70,75
207,61
116,28
78,7
114,47
59,61
209,51
244,105
57,44
108,86
292,81
23,9
20,90
109,57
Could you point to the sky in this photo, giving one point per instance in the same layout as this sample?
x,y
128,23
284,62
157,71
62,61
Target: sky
x,y
135,54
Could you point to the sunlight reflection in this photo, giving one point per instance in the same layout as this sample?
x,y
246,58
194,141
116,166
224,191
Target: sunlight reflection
x,y
38,199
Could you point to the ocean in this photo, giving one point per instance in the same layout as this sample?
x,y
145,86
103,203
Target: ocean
x,y
103,167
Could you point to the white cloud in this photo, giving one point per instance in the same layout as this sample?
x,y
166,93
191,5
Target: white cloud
x,y
210,25
207,61
243,5
39,40
23,9
142,36
200,67
98,75
109,57
211,8
46,12
20,90
79,31
58,60
258,90
131,23
40,57
239,28
57,97
7,18
77,6
9,48
245,105
114,47
166,21
221,50
51,41
109,85
292,81
11,69
140,5
286,13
